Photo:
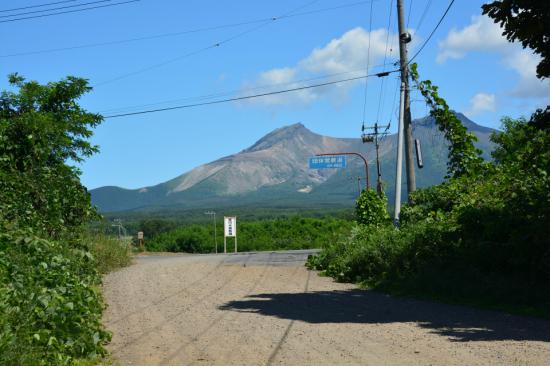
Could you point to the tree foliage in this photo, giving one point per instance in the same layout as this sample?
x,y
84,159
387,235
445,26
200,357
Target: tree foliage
x,y
371,208
50,308
525,21
481,235
464,157
278,234
479,239
41,128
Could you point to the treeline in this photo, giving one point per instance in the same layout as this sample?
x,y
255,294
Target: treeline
x,y
479,238
156,220
277,234
50,304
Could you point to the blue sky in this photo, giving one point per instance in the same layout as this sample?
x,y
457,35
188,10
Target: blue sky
x,y
478,72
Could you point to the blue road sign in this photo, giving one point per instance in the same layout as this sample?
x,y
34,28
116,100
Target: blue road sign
x,y
327,162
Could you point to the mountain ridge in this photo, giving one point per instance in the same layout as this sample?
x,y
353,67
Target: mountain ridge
x,y
274,170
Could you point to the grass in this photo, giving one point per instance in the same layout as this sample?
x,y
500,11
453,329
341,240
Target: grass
x,y
110,252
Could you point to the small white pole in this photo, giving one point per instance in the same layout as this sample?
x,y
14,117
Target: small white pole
x,y
399,164
215,236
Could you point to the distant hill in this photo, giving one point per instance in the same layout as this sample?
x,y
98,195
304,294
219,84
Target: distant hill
x,y
274,172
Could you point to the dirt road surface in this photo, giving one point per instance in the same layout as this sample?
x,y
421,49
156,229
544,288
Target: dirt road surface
x,y
268,309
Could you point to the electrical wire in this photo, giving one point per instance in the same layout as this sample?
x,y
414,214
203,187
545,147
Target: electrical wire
x,y
156,66
137,39
69,11
244,97
423,16
38,6
368,64
410,10
433,31
382,90
180,33
226,93
192,53
58,8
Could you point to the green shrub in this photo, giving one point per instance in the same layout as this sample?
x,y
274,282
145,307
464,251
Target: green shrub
x,y
50,305
372,208
477,238
51,308
279,234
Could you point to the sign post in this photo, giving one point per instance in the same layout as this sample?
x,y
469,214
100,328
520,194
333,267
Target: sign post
x,y
140,240
229,231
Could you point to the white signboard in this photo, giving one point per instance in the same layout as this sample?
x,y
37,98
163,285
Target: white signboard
x,y
140,235
230,226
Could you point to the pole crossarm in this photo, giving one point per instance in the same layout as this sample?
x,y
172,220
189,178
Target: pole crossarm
x,y
353,154
374,137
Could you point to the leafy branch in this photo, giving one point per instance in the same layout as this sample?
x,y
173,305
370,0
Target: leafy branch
x,y
464,157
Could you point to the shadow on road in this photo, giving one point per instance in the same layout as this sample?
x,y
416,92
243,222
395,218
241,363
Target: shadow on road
x,y
460,324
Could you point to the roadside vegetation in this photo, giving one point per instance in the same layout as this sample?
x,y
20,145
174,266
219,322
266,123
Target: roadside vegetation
x,y
480,238
277,234
50,301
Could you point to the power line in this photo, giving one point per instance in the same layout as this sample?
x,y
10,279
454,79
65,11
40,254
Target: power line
x,y
423,16
180,33
58,8
248,96
155,66
410,10
38,6
382,83
368,64
69,11
192,53
226,93
137,39
433,31
309,3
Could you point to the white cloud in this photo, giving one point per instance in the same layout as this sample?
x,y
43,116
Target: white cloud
x,y
340,55
483,35
347,52
480,103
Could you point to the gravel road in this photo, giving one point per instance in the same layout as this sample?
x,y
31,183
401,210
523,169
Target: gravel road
x,y
268,309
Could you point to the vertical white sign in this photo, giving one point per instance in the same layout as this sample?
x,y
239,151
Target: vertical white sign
x,y
230,226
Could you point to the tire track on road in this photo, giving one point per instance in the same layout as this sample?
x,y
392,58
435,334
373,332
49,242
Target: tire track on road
x,y
218,318
172,317
287,330
179,292
224,357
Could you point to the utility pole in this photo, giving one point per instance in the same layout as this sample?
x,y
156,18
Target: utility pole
x,y
398,166
374,137
404,38
118,224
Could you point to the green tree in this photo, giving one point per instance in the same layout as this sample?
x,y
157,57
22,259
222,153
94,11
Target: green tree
x,y
525,21
42,128
50,305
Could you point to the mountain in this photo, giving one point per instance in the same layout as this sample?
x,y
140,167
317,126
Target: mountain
x,y
274,172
